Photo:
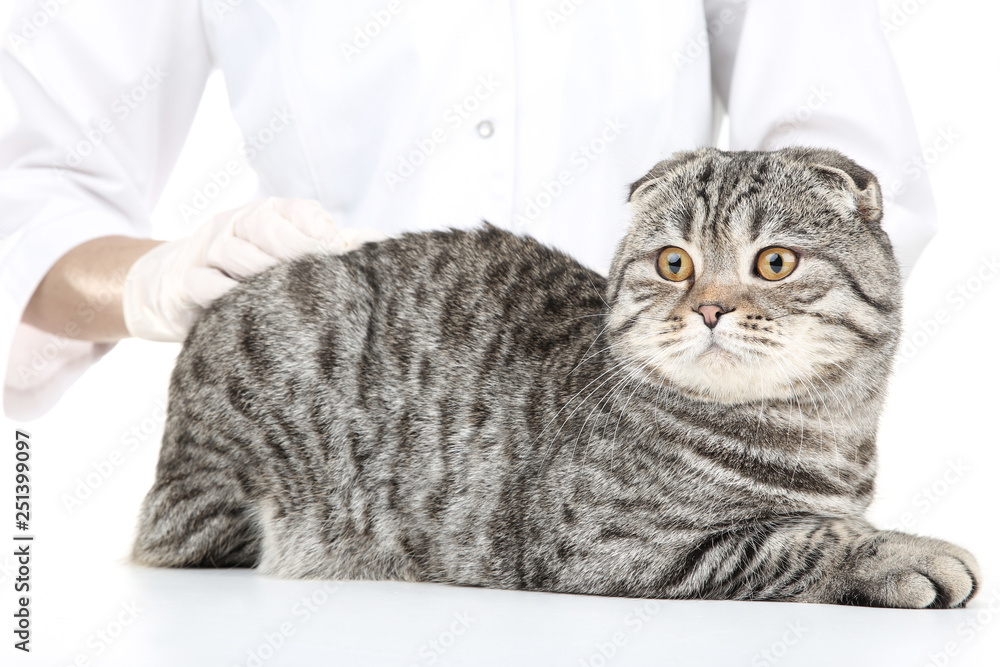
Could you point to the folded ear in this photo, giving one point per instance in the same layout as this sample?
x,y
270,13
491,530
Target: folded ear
x,y
842,173
664,168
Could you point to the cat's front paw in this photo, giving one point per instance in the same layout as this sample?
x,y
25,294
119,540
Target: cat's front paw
x,y
892,569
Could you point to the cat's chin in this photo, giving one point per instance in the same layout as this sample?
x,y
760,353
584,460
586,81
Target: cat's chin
x,y
728,392
718,355
718,374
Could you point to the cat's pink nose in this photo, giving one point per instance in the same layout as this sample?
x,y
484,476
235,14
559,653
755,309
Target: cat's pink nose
x,y
711,313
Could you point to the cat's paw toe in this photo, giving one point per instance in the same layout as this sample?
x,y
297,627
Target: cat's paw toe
x,y
909,589
941,582
897,570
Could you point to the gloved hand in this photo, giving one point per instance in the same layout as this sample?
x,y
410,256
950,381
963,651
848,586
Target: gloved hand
x,y
167,288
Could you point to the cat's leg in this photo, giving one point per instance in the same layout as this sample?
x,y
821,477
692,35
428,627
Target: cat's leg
x,y
892,569
803,559
197,514
844,561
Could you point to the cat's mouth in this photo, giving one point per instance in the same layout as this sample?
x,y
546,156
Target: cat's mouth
x,y
717,351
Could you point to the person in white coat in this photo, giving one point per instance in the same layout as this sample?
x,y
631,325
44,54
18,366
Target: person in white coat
x,y
393,115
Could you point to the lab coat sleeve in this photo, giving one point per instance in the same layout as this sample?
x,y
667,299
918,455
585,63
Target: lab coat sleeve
x,y
105,92
821,74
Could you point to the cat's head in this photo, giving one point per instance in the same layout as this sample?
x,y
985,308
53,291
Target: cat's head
x,y
756,275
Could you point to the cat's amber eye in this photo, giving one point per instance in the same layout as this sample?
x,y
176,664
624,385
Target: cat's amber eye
x,y
776,263
674,264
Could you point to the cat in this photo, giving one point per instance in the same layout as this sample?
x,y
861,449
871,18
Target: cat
x,y
475,408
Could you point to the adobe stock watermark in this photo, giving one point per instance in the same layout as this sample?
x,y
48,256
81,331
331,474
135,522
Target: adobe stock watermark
x,y
102,639
562,12
31,25
454,118
301,612
944,139
966,631
86,311
581,159
637,619
899,15
253,145
780,647
366,34
222,8
696,46
929,495
432,650
784,133
121,108
85,485
924,331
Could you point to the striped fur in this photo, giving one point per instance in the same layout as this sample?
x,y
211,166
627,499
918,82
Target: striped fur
x,y
472,407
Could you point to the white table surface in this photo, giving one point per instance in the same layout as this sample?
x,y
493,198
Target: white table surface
x,y
123,615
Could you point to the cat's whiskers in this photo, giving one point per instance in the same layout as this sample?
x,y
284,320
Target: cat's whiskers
x,y
831,421
624,342
621,414
598,292
825,360
637,316
612,399
842,369
582,427
817,398
659,388
821,422
590,414
807,383
587,356
837,343
760,416
846,414
622,386
618,368
788,429
586,352
607,397
613,370
582,317
835,391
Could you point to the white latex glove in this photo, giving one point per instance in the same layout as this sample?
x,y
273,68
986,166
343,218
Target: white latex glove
x,y
166,289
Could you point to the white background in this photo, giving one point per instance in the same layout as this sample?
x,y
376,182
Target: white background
x,y
940,459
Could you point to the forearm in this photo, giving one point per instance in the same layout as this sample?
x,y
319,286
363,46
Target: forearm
x,y
85,288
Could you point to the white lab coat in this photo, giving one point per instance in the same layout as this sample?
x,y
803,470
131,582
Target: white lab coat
x,y
403,115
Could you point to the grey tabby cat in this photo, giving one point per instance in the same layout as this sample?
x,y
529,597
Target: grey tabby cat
x,y
475,408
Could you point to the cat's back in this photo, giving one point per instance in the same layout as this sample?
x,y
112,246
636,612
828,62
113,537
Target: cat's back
x,y
435,314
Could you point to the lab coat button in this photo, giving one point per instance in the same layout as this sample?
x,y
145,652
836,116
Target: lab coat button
x,y
485,129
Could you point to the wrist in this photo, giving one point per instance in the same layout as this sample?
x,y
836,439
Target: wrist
x,y
84,287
